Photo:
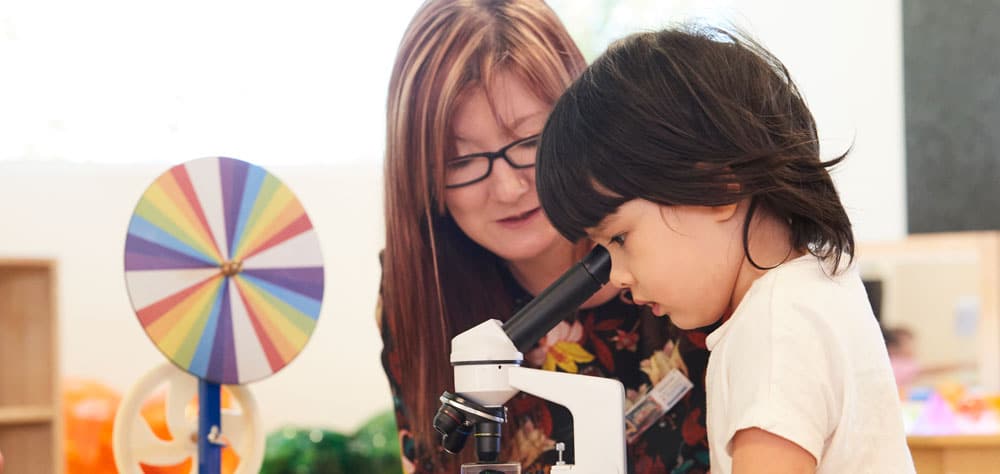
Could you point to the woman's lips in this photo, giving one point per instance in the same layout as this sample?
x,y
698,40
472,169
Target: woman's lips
x,y
520,219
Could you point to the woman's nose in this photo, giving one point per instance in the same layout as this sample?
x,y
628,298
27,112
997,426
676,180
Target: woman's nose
x,y
509,184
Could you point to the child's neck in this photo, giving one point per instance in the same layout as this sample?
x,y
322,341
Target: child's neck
x,y
769,243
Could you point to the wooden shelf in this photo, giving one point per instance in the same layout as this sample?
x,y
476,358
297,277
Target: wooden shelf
x,y
960,454
968,441
25,415
10,263
30,414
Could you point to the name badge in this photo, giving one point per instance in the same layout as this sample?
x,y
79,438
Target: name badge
x,y
655,404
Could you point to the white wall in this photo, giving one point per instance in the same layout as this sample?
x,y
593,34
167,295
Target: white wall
x,y
845,55
847,58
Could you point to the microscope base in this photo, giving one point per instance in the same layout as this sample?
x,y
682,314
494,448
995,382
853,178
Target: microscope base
x,y
504,468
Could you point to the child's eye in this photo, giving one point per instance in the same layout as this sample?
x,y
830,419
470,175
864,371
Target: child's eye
x,y
619,239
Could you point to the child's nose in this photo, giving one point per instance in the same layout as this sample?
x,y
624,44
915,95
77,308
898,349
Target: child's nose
x,y
620,276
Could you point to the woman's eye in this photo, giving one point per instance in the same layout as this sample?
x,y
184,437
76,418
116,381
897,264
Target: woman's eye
x,y
455,165
618,239
531,143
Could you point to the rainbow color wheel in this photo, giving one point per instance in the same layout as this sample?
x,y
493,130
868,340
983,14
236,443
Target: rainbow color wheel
x,y
224,270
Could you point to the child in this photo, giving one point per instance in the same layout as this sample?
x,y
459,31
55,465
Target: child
x,y
902,356
906,366
692,157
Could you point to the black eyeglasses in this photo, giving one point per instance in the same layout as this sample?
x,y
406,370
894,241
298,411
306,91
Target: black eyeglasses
x,y
473,168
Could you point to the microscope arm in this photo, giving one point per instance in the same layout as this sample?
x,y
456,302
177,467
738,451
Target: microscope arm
x,y
582,394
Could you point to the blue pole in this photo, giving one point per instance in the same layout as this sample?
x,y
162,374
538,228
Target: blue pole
x,y
209,428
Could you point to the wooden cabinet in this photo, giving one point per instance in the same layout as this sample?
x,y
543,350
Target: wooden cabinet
x,y
956,454
30,428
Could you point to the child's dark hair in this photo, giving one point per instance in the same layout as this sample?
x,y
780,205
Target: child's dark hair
x,y
677,117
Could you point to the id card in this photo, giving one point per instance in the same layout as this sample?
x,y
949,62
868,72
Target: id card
x,y
652,406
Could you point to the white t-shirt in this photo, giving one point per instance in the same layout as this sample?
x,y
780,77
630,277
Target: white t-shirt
x,y
802,357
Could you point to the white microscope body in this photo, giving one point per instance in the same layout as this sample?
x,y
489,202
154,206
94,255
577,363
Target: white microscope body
x,y
488,372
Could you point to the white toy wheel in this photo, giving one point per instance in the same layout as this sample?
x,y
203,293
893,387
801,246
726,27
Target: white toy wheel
x,y
134,442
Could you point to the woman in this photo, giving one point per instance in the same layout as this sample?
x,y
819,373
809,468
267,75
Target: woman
x,y
466,240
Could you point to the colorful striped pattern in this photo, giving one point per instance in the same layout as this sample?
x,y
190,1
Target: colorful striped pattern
x,y
196,217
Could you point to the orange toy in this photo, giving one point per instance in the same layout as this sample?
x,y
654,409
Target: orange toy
x,y
89,409
88,412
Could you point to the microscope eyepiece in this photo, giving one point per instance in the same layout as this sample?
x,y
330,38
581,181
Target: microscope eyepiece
x,y
560,299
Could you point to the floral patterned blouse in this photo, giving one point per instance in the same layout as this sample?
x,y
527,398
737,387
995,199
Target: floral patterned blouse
x,y
617,340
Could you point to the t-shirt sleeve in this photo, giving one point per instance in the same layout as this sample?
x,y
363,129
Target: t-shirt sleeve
x,y
783,377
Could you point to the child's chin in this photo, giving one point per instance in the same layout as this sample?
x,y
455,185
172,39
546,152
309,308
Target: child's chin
x,y
686,324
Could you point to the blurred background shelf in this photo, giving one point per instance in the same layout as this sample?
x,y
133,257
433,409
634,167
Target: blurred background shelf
x,y
25,415
30,425
968,454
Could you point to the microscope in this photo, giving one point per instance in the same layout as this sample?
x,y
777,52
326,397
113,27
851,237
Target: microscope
x,y
487,361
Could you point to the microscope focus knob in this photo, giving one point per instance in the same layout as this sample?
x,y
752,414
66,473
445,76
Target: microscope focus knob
x,y
561,465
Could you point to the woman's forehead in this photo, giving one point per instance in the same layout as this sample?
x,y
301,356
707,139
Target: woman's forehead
x,y
507,102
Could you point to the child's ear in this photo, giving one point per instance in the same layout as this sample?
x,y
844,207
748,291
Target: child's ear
x,y
727,211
